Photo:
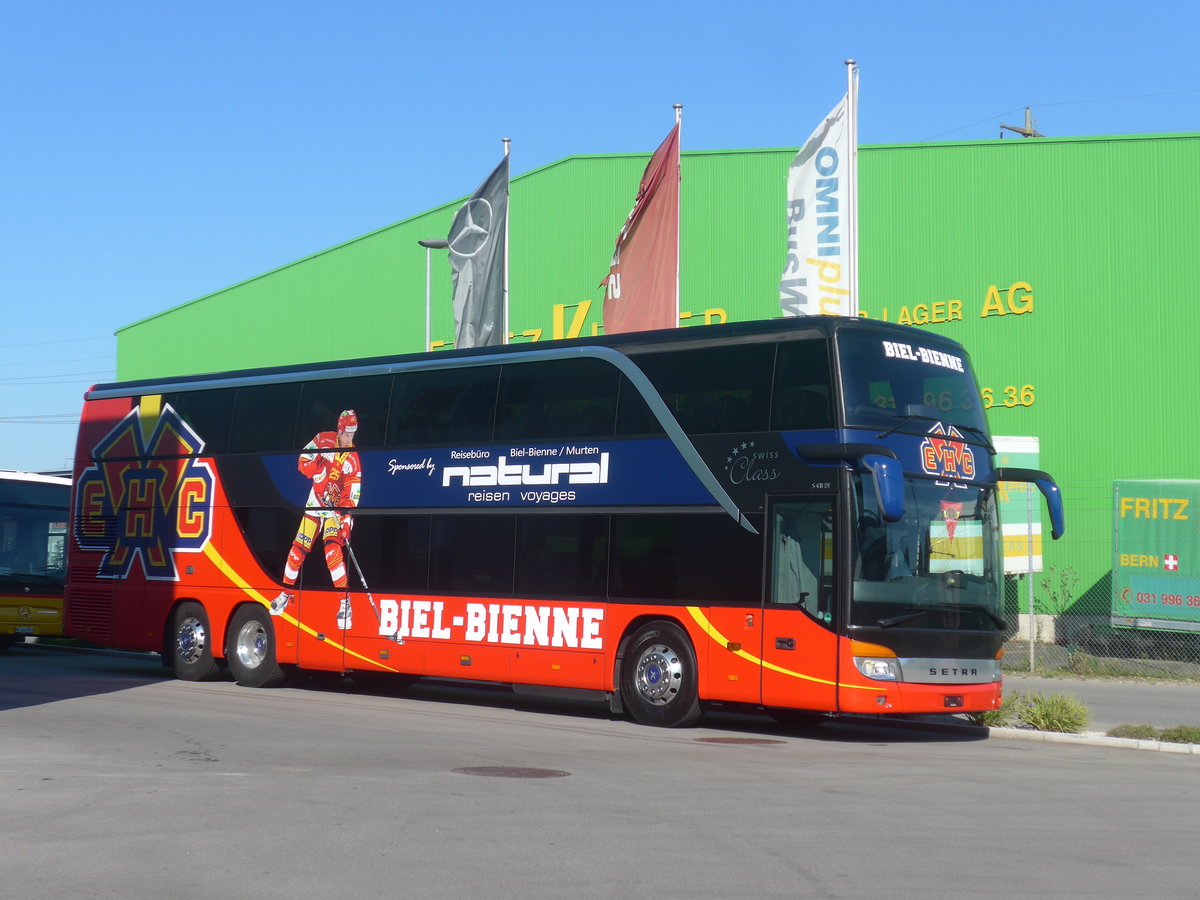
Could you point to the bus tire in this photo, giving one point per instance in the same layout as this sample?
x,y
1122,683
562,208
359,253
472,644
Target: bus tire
x,y
251,648
191,653
658,677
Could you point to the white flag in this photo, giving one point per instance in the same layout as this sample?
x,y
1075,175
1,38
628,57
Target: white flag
x,y
817,275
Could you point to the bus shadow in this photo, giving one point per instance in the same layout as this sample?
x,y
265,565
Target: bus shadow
x,y
32,675
734,724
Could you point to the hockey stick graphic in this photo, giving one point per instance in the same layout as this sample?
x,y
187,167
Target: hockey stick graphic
x,y
357,568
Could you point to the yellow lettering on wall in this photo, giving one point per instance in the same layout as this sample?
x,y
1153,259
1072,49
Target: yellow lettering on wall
x,y
992,304
1022,302
533,334
1018,300
577,320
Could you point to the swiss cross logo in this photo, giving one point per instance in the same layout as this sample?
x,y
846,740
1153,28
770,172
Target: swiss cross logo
x,y
943,456
1170,562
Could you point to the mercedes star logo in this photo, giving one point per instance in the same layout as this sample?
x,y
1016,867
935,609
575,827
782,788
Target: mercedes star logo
x,y
472,227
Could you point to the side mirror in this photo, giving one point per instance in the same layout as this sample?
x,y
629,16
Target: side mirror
x,y
1050,492
886,471
888,478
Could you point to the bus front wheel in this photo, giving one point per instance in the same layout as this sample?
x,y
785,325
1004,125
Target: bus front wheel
x,y
658,677
192,655
251,650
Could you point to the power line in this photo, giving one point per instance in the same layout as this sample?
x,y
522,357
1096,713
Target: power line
x,y
73,359
26,379
1009,112
49,419
48,343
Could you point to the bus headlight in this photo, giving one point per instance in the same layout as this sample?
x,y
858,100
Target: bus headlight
x,y
877,668
875,661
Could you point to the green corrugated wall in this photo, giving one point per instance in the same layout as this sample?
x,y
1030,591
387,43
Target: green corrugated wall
x,y
1095,240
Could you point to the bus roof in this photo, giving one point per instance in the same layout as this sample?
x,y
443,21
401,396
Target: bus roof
x,y
641,341
14,475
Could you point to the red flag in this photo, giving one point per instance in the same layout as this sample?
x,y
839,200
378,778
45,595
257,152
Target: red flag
x,y
951,512
642,284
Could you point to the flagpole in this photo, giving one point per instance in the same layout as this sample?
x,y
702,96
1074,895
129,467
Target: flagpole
x,y
852,191
678,206
504,337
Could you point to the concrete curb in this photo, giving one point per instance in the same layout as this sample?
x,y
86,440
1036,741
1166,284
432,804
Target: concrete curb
x,y
1093,739
1086,738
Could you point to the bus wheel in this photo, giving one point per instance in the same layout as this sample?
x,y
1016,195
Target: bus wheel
x,y
251,651
658,677
193,657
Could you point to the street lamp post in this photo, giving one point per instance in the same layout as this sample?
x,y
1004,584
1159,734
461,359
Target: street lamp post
x,y
430,244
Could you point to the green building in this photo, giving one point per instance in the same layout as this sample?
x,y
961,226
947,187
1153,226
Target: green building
x,y
1063,265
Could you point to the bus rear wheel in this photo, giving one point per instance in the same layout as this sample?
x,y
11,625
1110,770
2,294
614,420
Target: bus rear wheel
x,y
192,656
251,649
658,677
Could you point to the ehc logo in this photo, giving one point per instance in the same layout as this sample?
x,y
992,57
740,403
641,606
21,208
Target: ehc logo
x,y
948,458
145,497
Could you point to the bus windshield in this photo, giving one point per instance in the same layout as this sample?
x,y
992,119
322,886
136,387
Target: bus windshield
x,y
940,567
892,384
33,534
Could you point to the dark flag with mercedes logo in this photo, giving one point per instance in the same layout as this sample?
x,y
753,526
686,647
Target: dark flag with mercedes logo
x,y
477,239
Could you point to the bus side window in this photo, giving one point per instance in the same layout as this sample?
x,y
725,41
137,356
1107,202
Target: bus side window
x,y
443,407
264,418
802,386
801,408
714,389
562,554
802,557
669,557
394,549
208,413
472,554
561,399
633,414
322,402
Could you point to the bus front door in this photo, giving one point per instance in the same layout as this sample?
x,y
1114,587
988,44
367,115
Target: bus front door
x,y
799,633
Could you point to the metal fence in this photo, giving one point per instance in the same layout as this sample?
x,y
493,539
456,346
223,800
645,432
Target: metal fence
x,y
1052,630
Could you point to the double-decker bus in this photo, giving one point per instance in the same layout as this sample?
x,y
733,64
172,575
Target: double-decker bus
x,y
797,514
33,554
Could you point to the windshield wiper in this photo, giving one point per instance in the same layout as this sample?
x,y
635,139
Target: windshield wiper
x,y
979,431
916,411
40,575
899,620
904,420
914,612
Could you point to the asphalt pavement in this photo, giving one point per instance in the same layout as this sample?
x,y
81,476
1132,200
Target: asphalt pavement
x,y
1112,702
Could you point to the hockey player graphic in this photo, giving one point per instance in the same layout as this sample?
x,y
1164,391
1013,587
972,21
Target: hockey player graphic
x,y
331,462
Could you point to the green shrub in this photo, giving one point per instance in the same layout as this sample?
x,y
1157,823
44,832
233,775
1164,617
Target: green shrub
x,y
1050,712
1181,734
992,718
1138,732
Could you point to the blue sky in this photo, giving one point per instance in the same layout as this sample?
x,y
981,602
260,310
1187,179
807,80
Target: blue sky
x,y
154,152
